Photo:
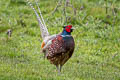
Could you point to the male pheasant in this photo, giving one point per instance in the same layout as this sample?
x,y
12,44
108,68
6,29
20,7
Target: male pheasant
x,y
57,48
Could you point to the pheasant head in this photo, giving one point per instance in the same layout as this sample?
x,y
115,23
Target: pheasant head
x,y
67,30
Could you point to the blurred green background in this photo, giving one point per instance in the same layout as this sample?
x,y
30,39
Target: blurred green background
x,y
97,38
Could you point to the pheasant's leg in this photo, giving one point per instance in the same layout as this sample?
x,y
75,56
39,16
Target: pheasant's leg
x,y
58,69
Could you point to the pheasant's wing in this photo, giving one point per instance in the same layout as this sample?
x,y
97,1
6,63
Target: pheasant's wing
x,y
43,28
57,47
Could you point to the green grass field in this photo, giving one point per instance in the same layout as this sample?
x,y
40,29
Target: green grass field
x,y
97,39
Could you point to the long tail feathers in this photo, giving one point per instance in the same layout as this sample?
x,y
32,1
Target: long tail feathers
x,y
43,28
40,13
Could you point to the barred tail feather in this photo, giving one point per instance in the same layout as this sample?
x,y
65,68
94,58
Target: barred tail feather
x,y
43,28
40,14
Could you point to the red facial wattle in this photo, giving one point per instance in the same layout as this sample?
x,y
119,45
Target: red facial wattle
x,y
68,28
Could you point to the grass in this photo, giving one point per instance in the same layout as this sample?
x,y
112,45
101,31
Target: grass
x,y
97,50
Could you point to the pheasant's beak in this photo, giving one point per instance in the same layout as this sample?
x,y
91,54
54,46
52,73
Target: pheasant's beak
x,y
73,28
43,44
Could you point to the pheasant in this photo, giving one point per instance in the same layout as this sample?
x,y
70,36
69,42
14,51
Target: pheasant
x,y
57,48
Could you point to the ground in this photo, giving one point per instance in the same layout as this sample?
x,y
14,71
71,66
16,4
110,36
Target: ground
x,y
96,34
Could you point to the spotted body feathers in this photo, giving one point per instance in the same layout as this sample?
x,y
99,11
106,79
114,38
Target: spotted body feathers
x,y
60,50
